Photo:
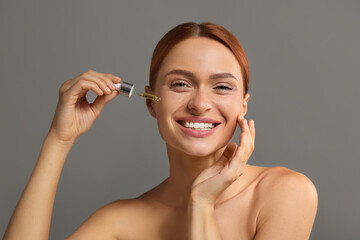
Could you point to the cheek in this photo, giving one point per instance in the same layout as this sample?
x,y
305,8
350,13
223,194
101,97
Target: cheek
x,y
166,107
230,108
230,113
170,101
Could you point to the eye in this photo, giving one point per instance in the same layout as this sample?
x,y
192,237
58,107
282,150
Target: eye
x,y
180,84
223,88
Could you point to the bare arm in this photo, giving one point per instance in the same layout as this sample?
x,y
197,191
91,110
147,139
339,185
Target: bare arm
x,y
288,212
202,222
32,215
211,182
73,117
290,198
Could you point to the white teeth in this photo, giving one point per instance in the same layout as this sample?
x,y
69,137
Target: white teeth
x,y
198,126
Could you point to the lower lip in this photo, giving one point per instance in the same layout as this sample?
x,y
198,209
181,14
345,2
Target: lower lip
x,y
197,133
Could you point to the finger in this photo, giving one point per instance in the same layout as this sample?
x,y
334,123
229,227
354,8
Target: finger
x,y
86,76
107,77
99,103
252,131
243,124
249,129
238,162
90,75
114,79
110,79
69,83
78,91
227,154
81,87
239,155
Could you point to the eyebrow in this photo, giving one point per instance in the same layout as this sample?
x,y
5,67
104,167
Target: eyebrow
x,y
192,75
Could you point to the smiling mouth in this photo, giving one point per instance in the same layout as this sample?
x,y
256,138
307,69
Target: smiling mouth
x,y
197,125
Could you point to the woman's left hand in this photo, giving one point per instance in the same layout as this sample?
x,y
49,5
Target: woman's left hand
x,y
211,182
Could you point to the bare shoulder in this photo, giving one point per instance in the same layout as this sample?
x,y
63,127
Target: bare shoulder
x,y
112,221
280,179
287,204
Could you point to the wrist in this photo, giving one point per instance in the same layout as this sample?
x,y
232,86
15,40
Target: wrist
x,y
197,200
53,137
200,206
202,222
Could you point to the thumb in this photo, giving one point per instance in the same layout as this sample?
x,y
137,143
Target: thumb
x,y
227,154
101,101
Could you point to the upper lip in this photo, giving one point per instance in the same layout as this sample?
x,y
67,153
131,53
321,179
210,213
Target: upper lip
x,y
197,119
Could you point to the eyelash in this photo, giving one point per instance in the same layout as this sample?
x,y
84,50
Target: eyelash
x,y
176,84
224,87
220,87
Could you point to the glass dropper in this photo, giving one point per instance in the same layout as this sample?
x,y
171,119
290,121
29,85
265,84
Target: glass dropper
x,y
128,88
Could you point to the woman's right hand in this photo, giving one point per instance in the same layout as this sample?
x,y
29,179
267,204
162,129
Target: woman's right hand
x,y
74,114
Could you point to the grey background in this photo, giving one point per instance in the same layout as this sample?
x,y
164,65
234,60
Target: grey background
x,y
304,62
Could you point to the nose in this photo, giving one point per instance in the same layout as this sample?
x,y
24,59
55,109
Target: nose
x,y
200,102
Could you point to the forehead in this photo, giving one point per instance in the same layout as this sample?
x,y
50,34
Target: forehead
x,y
202,56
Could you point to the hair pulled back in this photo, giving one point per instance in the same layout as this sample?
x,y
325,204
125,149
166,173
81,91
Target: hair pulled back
x,y
191,29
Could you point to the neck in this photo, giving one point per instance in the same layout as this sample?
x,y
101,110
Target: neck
x,y
183,171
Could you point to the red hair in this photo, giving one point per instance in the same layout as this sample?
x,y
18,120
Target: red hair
x,y
205,29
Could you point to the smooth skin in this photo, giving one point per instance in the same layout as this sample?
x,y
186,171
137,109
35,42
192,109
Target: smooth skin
x,y
211,191
73,117
229,198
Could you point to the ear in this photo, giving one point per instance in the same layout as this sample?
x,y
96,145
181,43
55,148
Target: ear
x,y
149,103
244,105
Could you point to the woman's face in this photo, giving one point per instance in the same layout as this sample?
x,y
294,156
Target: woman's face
x,y
201,90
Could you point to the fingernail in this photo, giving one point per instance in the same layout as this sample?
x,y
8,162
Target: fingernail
x,y
117,78
253,123
117,86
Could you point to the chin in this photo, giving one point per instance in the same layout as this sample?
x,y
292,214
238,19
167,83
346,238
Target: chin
x,y
199,153
199,150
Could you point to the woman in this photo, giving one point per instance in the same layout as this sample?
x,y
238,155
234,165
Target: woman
x,y
201,73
